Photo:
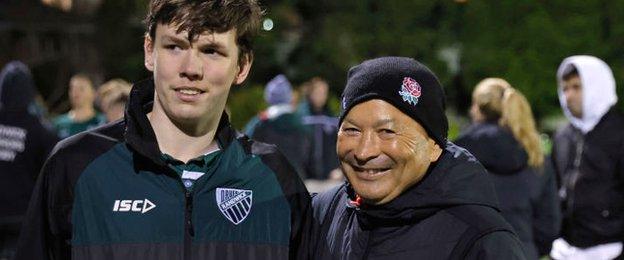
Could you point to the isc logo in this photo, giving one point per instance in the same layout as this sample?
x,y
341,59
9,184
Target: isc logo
x,y
133,205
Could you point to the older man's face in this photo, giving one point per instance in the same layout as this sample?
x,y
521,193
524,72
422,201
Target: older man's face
x,y
383,151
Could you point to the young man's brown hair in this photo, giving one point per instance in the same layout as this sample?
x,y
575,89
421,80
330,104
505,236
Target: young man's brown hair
x,y
197,17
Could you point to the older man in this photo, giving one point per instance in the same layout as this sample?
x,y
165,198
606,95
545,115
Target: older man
x,y
410,194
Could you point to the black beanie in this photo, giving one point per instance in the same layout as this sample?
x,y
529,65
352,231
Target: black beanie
x,y
406,84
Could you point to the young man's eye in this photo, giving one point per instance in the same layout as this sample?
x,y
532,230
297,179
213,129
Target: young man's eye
x,y
172,47
210,51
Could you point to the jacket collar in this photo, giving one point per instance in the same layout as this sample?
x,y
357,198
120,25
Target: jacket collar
x,y
139,133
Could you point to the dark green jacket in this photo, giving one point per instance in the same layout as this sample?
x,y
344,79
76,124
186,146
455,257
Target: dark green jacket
x,y
108,194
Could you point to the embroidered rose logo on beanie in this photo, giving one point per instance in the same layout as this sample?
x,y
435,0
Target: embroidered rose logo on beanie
x,y
410,91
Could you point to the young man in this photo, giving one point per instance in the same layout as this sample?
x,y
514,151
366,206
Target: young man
x,y
588,156
410,194
173,180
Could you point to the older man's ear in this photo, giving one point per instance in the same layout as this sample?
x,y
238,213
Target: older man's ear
x,y
435,152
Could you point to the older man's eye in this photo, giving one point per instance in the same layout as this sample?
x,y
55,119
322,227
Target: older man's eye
x,y
386,133
350,130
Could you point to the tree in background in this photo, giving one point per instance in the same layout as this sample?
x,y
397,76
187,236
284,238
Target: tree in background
x,y
462,41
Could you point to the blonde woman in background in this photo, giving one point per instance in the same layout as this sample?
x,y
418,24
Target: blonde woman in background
x,y
504,139
113,96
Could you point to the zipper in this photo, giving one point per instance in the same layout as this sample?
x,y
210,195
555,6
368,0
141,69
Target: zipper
x,y
189,232
576,174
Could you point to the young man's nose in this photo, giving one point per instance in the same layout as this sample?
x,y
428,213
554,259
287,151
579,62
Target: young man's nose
x,y
192,66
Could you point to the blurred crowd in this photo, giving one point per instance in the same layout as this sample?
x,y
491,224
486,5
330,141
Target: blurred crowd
x,y
544,197
304,130
27,134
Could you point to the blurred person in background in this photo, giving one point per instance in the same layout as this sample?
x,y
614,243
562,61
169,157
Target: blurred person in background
x,y
82,115
113,96
322,127
25,141
504,139
279,125
588,155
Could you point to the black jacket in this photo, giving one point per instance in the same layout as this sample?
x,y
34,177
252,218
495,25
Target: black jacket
x,y
451,213
593,205
25,141
107,193
322,127
289,135
527,196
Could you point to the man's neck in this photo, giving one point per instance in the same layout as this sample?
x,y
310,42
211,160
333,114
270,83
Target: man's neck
x,y
82,114
183,141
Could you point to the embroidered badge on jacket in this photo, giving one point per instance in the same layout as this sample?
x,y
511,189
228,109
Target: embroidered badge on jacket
x,y
234,204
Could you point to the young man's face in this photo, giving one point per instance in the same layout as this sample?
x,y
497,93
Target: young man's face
x,y
383,151
193,79
573,92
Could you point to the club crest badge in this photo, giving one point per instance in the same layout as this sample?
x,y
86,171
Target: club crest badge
x,y
410,91
234,204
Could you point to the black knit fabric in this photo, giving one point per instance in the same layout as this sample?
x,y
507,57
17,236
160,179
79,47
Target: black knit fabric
x,y
406,84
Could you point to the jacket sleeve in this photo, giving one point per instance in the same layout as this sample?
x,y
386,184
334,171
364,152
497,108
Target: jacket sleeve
x,y
297,196
42,235
46,142
547,217
497,245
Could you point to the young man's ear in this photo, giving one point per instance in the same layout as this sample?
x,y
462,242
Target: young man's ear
x,y
244,67
148,50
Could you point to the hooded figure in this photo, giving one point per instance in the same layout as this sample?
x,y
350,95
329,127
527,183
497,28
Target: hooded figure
x,y
588,156
599,90
410,194
25,142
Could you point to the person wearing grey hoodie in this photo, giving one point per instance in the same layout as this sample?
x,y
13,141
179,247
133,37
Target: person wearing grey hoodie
x,y
588,156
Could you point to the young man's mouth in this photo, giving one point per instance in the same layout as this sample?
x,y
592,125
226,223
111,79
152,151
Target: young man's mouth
x,y
188,94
